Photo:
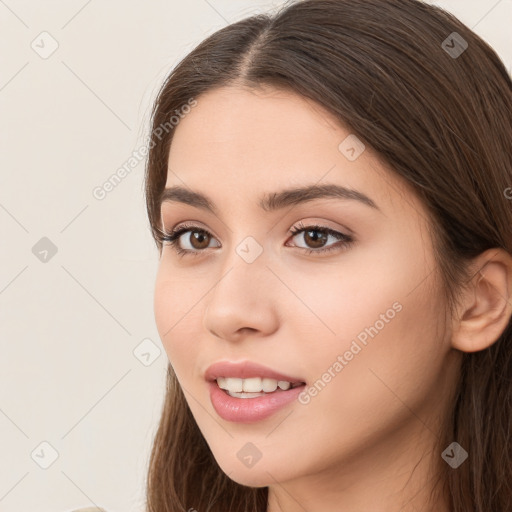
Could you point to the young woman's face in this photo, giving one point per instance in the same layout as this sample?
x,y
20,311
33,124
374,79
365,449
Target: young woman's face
x,y
359,324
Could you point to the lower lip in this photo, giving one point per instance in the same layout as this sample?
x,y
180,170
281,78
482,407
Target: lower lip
x,y
248,410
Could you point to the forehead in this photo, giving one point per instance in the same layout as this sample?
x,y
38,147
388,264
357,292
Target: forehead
x,y
246,123
238,144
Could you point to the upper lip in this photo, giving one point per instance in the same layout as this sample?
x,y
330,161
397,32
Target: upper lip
x,y
246,370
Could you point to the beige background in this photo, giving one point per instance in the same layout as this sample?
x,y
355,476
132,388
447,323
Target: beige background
x,y
82,368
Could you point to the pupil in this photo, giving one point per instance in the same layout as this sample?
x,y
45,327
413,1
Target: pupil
x,y
200,237
318,241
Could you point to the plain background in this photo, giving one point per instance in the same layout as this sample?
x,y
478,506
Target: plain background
x,y
73,371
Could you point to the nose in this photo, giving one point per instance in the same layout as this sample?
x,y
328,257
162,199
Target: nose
x,y
243,301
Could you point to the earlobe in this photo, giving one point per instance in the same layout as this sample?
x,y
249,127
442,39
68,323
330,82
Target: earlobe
x,y
486,307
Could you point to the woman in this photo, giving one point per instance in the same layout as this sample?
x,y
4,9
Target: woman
x,y
330,192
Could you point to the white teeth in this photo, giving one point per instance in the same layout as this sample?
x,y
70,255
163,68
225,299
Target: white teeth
x,y
284,385
230,384
269,385
252,385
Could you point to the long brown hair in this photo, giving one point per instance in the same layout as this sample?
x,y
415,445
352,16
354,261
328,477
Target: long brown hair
x,y
437,108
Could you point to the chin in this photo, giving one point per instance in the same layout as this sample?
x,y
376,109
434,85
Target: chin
x,y
250,479
260,474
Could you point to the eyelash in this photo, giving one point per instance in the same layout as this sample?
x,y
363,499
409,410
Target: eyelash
x,y
173,238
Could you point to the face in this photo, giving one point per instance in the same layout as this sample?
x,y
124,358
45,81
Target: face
x,y
348,305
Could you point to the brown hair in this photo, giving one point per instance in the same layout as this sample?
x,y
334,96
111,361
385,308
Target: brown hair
x,y
441,121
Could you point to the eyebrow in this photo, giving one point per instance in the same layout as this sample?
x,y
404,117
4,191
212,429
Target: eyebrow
x,y
271,201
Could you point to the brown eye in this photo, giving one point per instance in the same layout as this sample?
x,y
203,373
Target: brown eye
x,y
199,239
313,240
193,238
316,238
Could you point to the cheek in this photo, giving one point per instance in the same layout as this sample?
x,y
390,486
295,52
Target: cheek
x,y
381,317
370,396
176,316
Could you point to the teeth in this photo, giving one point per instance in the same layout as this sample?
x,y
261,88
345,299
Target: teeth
x,y
269,385
230,384
284,385
252,385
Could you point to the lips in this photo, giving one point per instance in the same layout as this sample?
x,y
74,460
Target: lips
x,y
246,370
250,410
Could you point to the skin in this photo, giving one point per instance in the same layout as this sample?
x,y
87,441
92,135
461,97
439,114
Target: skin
x,y
367,441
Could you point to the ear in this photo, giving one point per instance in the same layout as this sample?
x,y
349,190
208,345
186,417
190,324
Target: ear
x,y
486,305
